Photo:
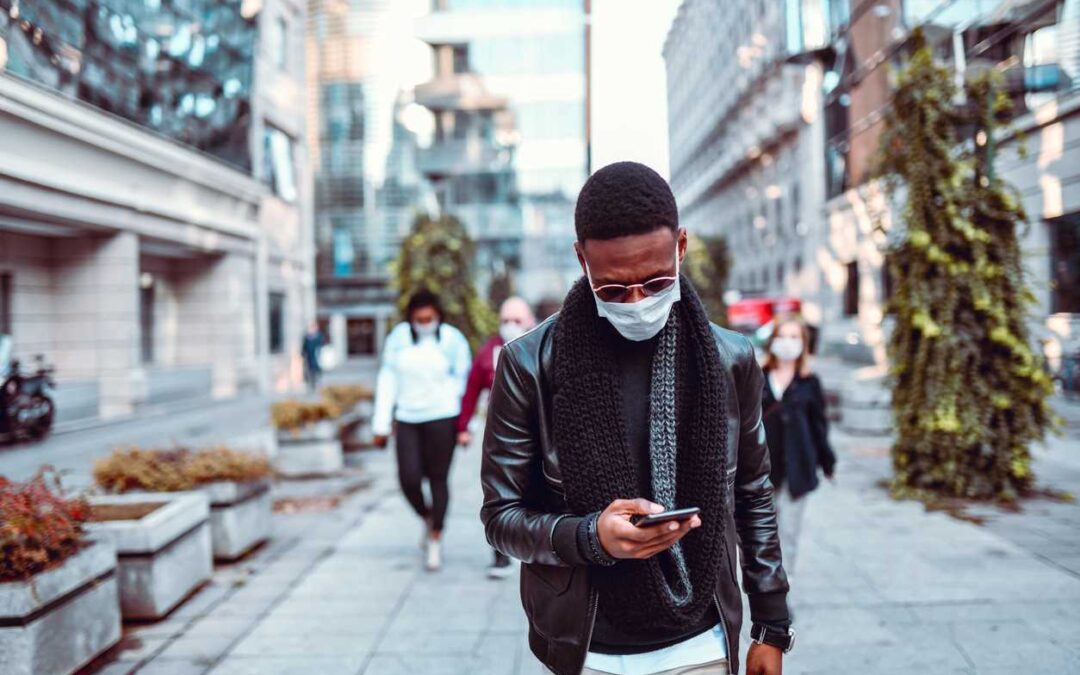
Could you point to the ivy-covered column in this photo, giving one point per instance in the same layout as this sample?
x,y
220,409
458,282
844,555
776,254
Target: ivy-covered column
x,y
969,393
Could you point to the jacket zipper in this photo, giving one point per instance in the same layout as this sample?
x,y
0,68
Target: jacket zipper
x,y
594,603
723,627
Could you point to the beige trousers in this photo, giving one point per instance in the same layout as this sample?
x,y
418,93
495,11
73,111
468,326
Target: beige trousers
x,y
712,668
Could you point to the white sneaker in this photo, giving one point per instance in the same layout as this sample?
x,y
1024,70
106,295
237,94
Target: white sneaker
x,y
433,557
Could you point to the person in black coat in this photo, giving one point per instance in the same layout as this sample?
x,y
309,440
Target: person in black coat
x,y
796,427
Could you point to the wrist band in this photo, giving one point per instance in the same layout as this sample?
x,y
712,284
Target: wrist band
x,y
598,554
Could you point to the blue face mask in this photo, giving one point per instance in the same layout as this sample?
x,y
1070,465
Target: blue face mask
x,y
642,320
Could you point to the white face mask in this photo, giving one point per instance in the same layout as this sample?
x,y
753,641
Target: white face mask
x,y
510,331
642,320
787,349
425,329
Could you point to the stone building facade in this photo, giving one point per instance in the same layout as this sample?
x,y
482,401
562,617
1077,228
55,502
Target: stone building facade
x,y
155,226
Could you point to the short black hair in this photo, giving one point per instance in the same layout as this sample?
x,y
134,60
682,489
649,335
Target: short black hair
x,y
622,199
420,299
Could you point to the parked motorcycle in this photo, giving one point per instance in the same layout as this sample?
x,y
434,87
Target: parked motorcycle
x,y
26,404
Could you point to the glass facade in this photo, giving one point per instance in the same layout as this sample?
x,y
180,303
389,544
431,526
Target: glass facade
x,y
576,5
528,54
182,68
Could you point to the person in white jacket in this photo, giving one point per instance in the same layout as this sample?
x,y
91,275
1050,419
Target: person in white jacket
x,y
425,364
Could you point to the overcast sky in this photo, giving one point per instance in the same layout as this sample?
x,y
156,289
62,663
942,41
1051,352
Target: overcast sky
x,y
629,104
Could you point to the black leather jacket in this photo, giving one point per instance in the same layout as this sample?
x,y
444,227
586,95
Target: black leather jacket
x,y
524,500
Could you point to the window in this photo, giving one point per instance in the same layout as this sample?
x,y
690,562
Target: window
x,y
536,54
461,58
851,290
360,337
146,319
279,171
279,42
277,322
6,292
887,284
461,124
1065,263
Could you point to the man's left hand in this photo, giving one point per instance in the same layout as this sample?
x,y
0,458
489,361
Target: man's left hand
x,y
764,660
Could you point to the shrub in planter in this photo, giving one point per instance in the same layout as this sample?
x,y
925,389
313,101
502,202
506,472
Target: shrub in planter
x,y
345,396
39,527
237,484
356,400
308,438
294,415
176,469
58,592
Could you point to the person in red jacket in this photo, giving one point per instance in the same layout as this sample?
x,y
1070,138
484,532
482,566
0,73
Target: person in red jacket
x,y
515,319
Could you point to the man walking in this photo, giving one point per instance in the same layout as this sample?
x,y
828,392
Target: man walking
x,y
515,319
627,403
310,348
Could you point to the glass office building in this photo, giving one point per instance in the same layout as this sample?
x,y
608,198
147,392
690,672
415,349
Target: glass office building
x,y
368,188
532,57
180,68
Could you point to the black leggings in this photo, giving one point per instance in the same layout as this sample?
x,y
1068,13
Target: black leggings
x,y
424,451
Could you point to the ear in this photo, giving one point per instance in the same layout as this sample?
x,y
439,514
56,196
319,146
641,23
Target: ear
x,y
683,241
580,251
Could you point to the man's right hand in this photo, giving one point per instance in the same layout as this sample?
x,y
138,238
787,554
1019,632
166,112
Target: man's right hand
x,y
622,539
380,441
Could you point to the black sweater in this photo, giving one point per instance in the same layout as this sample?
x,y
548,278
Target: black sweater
x,y
635,379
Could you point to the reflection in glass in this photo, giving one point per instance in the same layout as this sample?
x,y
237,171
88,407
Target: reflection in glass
x,y
182,68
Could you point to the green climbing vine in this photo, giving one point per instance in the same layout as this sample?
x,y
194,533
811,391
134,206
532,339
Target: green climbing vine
x,y
969,393
438,255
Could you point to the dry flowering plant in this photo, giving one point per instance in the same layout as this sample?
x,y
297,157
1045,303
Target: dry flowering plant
x,y
292,415
39,526
176,469
346,396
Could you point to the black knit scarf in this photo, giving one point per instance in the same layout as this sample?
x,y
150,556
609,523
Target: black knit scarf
x,y
590,441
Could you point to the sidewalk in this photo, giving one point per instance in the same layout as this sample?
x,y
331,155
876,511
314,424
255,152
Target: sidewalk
x,y
882,588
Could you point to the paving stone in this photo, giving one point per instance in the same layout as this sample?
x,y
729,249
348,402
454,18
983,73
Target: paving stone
x,y
410,664
202,648
174,666
137,648
301,665
296,643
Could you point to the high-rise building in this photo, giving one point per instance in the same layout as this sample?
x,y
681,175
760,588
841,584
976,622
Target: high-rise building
x,y
367,183
155,226
511,147
744,131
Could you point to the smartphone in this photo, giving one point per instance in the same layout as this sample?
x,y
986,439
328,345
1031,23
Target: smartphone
x,y
665,517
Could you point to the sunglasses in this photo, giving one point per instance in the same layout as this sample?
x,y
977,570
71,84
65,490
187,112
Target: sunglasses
x,y
619,292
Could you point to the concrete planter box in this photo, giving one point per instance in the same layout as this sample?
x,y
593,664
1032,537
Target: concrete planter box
x,y
61,619
240,516
163,555
356,428
314,450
